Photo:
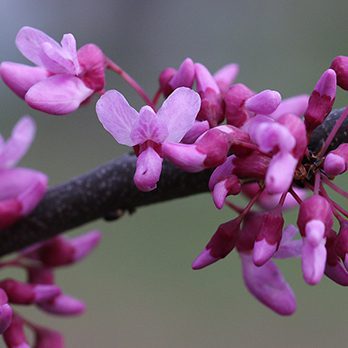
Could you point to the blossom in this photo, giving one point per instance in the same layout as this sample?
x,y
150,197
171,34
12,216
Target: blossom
x,y
63,77
147,131
21,188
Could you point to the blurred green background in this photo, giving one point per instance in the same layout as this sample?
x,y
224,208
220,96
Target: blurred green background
x,y
140,289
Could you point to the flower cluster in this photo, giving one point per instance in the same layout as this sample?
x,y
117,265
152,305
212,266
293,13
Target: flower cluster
x,y
256,145
39,263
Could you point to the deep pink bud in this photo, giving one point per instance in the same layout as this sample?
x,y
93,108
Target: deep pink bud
x,y
315,220
212,108
235,98
47,338
263,103
270,226
220,245
23,293
14,336
40,275
61,251
164,78
336,162
199,128
340,65
185,75
341,243
92,62
321,100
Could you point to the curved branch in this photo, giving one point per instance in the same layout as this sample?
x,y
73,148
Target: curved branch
x,y
109,189
99,193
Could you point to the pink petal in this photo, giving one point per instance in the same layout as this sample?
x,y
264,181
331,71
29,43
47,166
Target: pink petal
x,y
334,164
69,46
47,338
26,186
263,251
19,77
280,173
263,103
225,76
18,144
63,305
58,95
30,40
117,116
185,156
84,244
288,247
295,105
205,80
204,259
148,170
221,172
148,127
313,261
6,314
185,75
179,112
326,85
268,285
198,128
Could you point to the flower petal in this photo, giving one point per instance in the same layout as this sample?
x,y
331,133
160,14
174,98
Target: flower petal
x,y
179,112
148,127
19,77
198,128
58,95
148,170
205,79
117,116
18,144
268,285
30,40
295,105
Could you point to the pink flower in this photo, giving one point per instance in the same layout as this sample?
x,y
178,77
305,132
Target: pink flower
x,y
21,189
63,78
147,130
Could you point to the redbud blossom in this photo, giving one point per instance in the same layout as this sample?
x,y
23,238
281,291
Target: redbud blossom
x,y
340,65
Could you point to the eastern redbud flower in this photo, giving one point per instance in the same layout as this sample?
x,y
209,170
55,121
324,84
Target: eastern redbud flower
x,y
47,338
63,78
336,161
212,89
171,79
340,65
6,312
21,188
321,100
14,336
147,130
315,221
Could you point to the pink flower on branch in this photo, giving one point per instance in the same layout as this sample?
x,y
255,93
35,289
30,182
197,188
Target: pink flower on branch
x,y
63,77
147,130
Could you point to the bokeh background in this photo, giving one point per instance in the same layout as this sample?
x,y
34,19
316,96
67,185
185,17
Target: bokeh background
x,y
140,289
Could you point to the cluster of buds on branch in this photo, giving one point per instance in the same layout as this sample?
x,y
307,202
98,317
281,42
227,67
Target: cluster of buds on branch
x,y
256,145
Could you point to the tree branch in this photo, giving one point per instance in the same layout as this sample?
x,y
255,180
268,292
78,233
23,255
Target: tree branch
x,y
99,193
110,188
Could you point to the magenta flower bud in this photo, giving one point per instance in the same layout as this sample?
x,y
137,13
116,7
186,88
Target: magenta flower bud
x,y
14,336
315,222
321,100
92,62
40,275
6,312
47,338
205,80
340,65
223,183
212,108
198,128
336,162
270,226
220,245
235,98
210,150
165,76
263,103
185,75
63,305
253,166
225,76
23,293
